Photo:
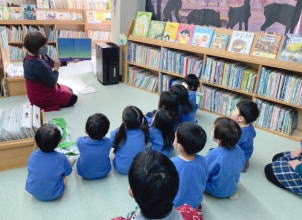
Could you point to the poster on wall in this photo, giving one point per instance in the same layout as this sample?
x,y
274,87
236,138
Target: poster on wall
x,y
283,16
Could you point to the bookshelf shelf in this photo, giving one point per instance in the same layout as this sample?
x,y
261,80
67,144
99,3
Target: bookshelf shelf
x,y
279,102
144,66
146,90
38,22
172,74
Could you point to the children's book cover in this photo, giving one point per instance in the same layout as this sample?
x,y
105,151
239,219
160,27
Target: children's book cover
x,y
29,12
202,36
156,30
51,15
16,13
77,16
185,33
41,15
6,13
62,15
171,31
241,42
74,48
43,4
292,49
142,23
220,41
267,45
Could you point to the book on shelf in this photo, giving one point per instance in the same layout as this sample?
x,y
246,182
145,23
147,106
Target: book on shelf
x,y
71,34
292,49
52,37
14,70
142,78
267,45
29,12
169,81
16,53
99,35
43,4
220,41
241,42
156,30
14,34
52,51
202,36
171,31
5,13
28,29
97,17
142,23
61,15
74,48
185,33
16,13
277,117
41,15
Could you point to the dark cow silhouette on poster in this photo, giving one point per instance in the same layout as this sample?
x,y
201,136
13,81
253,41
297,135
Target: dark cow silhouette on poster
x,y
207,17
285,14
172,6
150,8
240,15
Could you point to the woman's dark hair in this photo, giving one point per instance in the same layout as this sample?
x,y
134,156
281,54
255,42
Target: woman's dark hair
x,y
48,137
227,131
192,81
183,98
154,182
97,126
168,101
165,121
33,42
133,118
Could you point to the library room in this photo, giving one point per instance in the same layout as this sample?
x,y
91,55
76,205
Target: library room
x,y
150,109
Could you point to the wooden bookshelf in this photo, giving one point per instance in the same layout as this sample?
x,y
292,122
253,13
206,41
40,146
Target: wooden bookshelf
x,y
257,63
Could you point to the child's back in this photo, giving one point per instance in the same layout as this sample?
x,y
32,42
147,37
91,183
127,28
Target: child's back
x,y
246,142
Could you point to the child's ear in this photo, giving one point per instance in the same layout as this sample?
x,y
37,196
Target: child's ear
x,y
241,119
130,192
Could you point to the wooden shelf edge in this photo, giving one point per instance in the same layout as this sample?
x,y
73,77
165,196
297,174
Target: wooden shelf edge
x,y
143,66
40,22
15,79
278,101
16,143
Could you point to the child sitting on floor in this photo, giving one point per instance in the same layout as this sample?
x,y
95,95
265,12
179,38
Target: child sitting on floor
x,y
129,139
46,167
225,161
245,114
153,183
192,168
94,162
192,83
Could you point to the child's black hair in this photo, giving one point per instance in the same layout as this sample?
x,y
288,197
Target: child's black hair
x,y
248,110
133,118
165,121
168,101
97,126
33,42
154,182
192,137
48,137
183,98
227,131
192,81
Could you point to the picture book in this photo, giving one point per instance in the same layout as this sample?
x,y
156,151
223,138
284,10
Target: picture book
x,y
51,15
74,48
241,42
60,15
202,36
142,23
171,31
41,15
29,12
292,49
5,13
97,17
267,45
77,16
43,4
156,30
16,13
220,41
185,33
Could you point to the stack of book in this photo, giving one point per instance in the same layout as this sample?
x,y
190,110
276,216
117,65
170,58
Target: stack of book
x,y
277,117
71,34
52,37
145,55
281,85
16,53
169,81
15,34
99,35
229,74
28,29
52,51
181,63
219,101
143,79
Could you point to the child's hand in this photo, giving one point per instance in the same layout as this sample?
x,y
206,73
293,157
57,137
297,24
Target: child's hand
x,y
294,163
296,153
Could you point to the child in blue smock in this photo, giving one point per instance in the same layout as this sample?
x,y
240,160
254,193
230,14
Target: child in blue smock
x,y
192,168
46,167
94,162
192,83
129,139
245,114
225,161
185,108
162,132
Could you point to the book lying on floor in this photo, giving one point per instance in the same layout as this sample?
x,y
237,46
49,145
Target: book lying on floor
x,y
74,48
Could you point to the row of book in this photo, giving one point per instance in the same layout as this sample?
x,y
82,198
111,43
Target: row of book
x,y
58,15
99,35
29,29
75,4
277,117
71,34
16,53
169,81
52,51
229,74
181,63
97,17
15,34
19,122
267,43
281,85
27,12
142,78
145,55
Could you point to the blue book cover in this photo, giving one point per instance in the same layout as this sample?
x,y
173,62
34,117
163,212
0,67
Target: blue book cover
x,y
202,36
74,48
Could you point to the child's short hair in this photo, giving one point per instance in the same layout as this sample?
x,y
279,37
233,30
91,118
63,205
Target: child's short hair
x,y
227,131
183,98
97,126
33,41
168,101
192,81
192,137
48,137
154,182
248,110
